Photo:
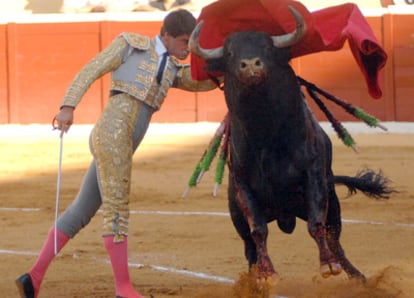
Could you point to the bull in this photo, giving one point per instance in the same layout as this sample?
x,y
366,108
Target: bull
x,y
280,157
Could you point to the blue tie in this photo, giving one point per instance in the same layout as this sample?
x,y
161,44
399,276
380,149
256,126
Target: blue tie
x,y
162,66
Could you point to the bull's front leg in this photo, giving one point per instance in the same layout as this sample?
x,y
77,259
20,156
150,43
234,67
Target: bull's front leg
x,y
254,217
318,205
333,230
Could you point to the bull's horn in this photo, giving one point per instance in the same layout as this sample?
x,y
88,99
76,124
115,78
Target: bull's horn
x,y
286,40
196,49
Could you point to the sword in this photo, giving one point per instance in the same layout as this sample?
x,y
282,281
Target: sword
x,y
59,175
58,184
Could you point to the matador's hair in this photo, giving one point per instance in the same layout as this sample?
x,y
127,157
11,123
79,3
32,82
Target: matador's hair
x,y
178,22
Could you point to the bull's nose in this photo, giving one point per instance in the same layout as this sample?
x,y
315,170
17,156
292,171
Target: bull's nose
x,y
251,71
252,66
254,63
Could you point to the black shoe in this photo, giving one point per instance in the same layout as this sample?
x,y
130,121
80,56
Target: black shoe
x,y
25,285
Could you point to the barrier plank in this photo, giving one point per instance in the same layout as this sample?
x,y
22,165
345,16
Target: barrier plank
x,y
43,59
4,94
403,57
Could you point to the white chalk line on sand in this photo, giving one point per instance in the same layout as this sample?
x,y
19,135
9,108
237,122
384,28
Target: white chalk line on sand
x,y
203,213
20,209
185,272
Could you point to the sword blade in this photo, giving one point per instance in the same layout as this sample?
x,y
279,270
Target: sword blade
x,y
58,185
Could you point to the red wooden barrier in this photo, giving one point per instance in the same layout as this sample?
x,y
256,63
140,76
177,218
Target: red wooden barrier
x,y
4,104
402,55
43,59
39,60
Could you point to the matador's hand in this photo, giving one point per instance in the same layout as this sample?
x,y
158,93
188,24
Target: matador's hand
x,y
64,119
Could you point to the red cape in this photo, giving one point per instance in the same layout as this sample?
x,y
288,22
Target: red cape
x,y
327,30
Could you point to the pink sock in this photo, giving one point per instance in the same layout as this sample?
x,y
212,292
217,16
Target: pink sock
x,y
118,254
47,254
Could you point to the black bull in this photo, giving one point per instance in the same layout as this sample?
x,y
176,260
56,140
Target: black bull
x,y
280,157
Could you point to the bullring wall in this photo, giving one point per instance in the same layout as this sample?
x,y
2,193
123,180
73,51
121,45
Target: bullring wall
x,y
40,54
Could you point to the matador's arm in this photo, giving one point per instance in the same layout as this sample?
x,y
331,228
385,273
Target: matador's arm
x,y
184,81
107,60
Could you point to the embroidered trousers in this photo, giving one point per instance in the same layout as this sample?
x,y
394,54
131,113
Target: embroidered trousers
x,y
113,141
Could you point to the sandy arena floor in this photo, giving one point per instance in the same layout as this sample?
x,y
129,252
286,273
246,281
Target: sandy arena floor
x,y
189,248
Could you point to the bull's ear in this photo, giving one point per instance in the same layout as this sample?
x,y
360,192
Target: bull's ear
x,y
215,65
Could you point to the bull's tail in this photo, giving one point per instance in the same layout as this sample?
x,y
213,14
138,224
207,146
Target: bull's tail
x,y
372,184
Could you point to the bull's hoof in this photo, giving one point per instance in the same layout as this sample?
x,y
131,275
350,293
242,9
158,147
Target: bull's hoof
x,y
268,281
251,284
330,269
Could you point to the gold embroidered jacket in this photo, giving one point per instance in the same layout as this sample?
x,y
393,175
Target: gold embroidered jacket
x,y
132,61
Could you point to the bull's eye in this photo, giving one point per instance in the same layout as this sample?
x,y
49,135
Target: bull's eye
x,y
243,65
258,63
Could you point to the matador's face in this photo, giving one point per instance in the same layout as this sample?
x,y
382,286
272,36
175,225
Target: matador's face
x,y
177,46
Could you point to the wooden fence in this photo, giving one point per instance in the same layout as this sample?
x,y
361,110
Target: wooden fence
x,y
40,57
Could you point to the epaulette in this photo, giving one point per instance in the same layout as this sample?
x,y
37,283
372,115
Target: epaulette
x,y
137,41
